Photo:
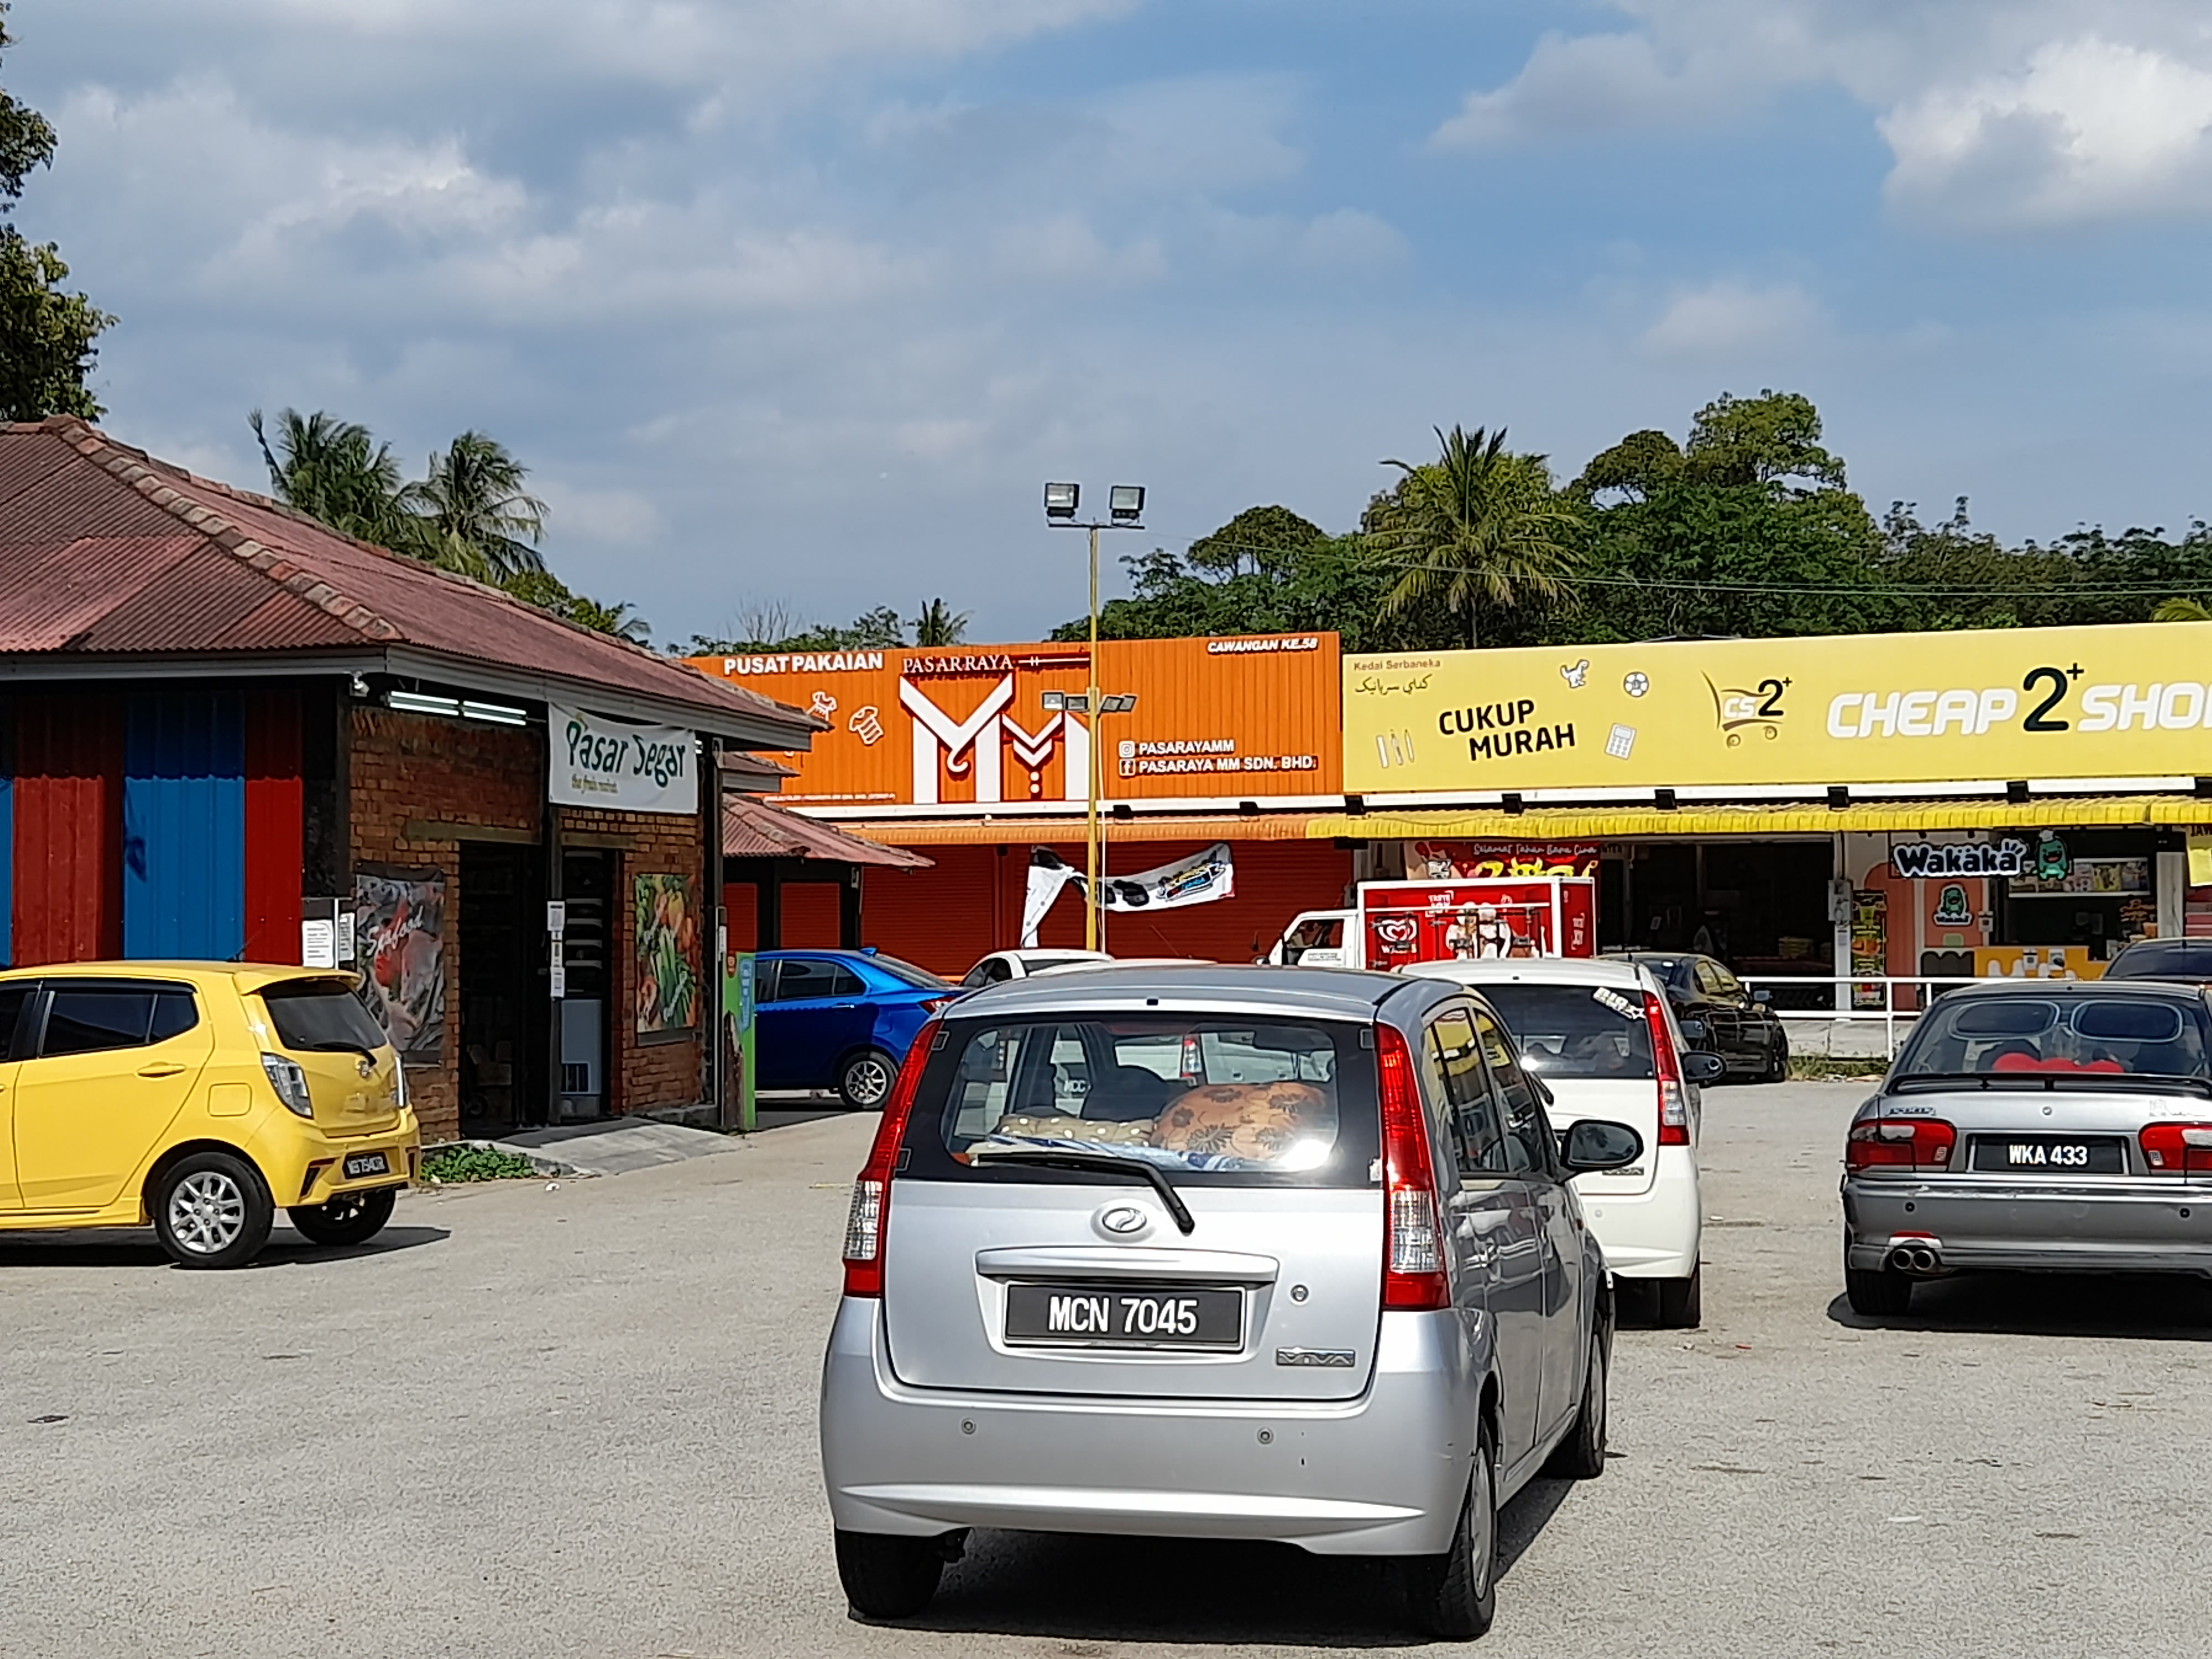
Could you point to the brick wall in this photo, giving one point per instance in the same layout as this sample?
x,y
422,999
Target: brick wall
x,y
423,770
663,1070
420,771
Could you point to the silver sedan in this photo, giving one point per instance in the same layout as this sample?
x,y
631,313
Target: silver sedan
x,y
2040,1125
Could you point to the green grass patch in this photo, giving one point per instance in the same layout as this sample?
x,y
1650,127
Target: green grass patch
x,y
1818,1068
450,1164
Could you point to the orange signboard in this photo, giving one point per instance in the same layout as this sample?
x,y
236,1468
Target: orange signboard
x,y
966,727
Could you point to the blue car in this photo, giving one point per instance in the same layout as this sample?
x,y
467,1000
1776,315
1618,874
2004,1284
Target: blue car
x,y
839,1019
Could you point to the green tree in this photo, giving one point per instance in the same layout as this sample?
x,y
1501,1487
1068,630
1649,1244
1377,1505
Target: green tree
x,y
938,623
1479,530
543,589
1748,528
770,625
472,514
336,471
47,334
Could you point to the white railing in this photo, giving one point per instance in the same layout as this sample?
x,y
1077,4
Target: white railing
x,y
1844,991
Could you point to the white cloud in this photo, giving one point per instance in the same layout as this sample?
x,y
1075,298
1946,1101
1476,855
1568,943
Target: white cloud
x,y
2090,129
1998,112
1591,85
1730,320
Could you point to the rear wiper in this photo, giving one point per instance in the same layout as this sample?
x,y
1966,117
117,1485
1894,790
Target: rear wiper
x,y
1102,1164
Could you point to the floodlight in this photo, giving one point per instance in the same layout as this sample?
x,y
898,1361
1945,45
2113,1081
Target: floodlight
x,y
1060,500
1125,503
1054,701
1117,702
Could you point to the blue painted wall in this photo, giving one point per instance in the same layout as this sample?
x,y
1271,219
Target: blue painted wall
x,y
184,827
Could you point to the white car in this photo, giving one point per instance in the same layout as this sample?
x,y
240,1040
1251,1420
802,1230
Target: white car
x,y
1000,966
1602,1039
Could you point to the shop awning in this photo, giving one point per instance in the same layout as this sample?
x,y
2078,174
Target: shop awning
x,y
1025,831
751,828
1798,818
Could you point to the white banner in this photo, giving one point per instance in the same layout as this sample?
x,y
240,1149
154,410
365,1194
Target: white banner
x,y
596,762
1203,877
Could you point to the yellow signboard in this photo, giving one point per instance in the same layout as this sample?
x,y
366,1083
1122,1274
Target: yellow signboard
x,y
1999,704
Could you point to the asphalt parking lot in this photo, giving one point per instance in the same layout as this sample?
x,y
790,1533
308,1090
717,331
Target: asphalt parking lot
x,y
578,1418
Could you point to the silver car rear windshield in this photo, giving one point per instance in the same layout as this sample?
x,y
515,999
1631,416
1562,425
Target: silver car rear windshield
x,y
1210,1099
1576,1030
2026,1034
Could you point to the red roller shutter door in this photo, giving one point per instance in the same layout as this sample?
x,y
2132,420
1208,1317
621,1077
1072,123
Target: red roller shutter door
x,y
810,914
945,917
1275,880
741,900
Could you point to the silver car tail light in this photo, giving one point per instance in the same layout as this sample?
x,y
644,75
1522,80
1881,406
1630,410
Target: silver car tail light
x,y
868,1220
1413,1267
2176,1148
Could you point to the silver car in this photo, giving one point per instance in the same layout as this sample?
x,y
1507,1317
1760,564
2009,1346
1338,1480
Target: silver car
x,y
2035,1125
1249,1253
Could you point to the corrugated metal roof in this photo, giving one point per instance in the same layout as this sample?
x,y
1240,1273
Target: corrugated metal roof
x,y
1583,823
751,828
105,550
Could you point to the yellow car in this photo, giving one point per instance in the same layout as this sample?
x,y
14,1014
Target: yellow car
x,y
198,1096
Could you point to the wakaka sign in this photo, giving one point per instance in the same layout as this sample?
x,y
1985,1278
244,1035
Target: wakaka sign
x,y
964,730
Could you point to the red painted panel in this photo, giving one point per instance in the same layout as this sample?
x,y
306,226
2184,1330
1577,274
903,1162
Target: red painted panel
x,y
275,827
69,829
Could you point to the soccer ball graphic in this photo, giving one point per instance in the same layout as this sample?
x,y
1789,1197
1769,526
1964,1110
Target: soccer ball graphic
x,y
1636,684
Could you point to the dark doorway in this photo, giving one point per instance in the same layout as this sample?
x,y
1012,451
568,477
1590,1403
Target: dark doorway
x,y
504,1022
587,881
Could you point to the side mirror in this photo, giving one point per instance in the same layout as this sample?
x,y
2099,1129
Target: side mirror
x,y
1593,1144
1702,1068
1762,994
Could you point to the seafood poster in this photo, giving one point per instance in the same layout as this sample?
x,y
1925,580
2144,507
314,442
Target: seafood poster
x,y
399,924
667,954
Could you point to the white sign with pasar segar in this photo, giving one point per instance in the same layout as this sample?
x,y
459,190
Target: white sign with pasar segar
x,y
598,761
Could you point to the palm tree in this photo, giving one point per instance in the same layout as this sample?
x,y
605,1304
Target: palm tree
x,y
473,514
334,470
940,624
617,619
1477,526
2181,610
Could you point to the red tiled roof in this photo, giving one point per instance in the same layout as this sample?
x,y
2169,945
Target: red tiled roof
x,y
751,828
106,550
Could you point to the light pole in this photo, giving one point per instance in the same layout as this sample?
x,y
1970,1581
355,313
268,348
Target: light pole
x,y
1096,704
1125,510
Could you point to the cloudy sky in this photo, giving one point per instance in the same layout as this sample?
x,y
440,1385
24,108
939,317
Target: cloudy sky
x,y
802,301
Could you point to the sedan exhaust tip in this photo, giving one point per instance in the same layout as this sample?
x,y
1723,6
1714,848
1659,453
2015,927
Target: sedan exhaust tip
x,y
1921,1259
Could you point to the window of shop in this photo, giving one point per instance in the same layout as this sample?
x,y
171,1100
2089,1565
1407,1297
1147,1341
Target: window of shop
x,y
2093,889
